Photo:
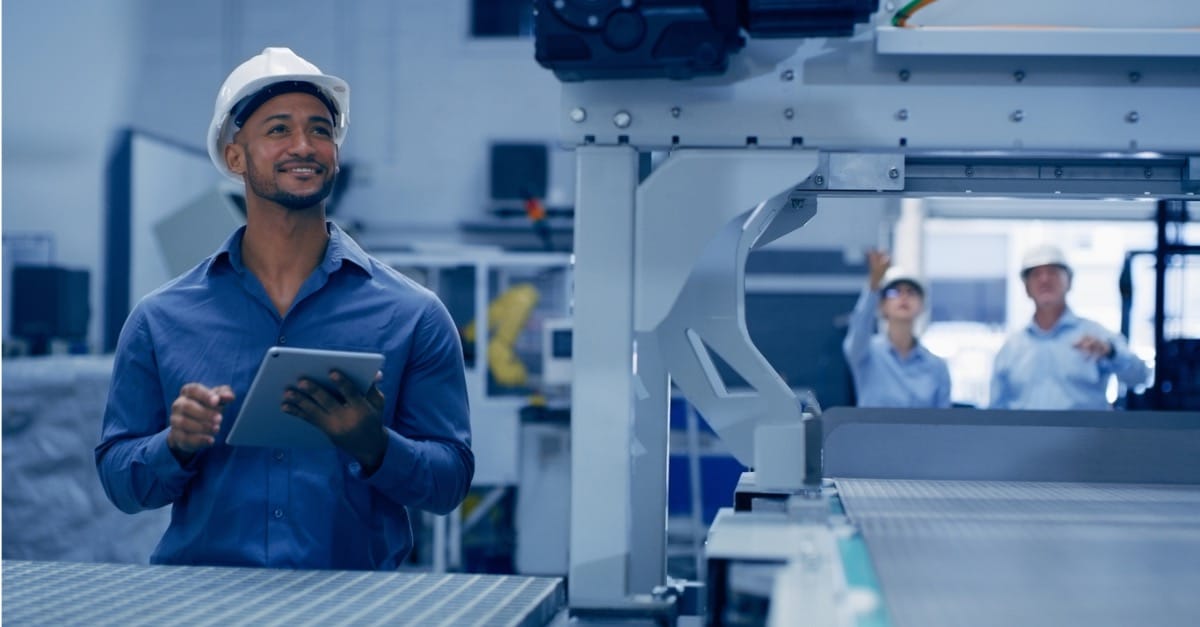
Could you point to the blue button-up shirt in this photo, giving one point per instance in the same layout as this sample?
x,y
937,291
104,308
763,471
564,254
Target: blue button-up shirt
x,y
882,378
1042,369
252,506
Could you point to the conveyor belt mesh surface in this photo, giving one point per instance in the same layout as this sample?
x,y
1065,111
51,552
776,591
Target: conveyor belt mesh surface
x,y
64,593
1006,553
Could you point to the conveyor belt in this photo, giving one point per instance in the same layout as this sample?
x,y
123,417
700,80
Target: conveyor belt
x,y
65,593
1012,553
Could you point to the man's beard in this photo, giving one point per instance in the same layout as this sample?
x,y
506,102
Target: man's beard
x,y
265,188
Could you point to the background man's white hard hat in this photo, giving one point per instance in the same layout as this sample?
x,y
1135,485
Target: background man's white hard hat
x,y
898,274
1043,255
274,65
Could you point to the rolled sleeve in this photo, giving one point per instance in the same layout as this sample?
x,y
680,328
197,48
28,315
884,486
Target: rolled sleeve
x,y
861,327
1128,367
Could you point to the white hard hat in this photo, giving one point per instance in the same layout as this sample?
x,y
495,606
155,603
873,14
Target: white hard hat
x,y
273,66
898,274
1043,255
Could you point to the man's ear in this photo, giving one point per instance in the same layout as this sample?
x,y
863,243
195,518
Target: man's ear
x,y
235,158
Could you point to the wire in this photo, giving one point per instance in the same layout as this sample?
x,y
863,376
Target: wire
x,y
900,19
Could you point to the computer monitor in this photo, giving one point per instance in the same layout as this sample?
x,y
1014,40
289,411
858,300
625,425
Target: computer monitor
x,y
48,303
556,352
519,171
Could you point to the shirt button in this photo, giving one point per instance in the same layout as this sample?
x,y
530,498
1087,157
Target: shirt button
x,y
354,467
278,513
278,455
283,339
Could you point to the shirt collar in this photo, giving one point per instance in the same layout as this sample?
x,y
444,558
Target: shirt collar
x,y
341,248
1067,320
918,351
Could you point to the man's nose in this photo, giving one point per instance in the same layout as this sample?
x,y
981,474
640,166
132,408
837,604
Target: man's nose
x,y
302,145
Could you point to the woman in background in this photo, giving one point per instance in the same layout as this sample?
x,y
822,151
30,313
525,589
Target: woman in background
x,y
892,368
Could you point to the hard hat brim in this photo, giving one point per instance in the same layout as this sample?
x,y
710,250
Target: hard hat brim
x,y
910,281
222,130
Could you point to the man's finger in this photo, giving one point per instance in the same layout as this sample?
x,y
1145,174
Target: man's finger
x,y
375,398
292,407
190,434
321,395
194,409
190,410
225,394
345,386
303,402
201,394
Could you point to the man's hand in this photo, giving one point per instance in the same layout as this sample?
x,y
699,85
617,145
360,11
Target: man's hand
x,y
352,420
1095,348
878,262
196,419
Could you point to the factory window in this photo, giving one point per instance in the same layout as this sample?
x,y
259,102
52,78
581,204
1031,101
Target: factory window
x,y
976,300
501,18
967,270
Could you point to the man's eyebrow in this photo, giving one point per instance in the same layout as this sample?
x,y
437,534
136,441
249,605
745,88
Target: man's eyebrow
x,y
287,117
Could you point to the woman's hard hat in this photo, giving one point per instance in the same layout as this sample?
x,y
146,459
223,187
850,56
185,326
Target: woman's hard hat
x,y
274,66
897,274
1043,255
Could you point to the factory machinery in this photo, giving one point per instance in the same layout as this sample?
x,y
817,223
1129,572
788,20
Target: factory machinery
x,y
706,129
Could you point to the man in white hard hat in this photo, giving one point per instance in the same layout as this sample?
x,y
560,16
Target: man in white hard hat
x,y
189,351
892,368
1059,360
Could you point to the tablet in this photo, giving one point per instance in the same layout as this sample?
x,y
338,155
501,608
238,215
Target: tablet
x,y
261,422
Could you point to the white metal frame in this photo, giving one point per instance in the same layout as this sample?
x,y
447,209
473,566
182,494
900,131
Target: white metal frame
x,y
1072,125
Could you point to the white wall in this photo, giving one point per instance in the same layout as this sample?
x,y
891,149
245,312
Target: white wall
x,y
66,78
426,102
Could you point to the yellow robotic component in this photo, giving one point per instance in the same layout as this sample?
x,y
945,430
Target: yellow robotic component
x,y
507,316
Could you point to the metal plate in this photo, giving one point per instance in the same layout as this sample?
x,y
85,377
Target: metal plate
x,y
66,593
1026,553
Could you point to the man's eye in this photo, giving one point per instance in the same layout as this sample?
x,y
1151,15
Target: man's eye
x,y
277,129
321,130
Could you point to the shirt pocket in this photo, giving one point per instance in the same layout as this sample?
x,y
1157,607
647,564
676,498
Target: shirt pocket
x,y
1075,366
1026,368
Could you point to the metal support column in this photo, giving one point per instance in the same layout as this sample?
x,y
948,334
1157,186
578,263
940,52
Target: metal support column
x,y
603,391
1161,258
648,456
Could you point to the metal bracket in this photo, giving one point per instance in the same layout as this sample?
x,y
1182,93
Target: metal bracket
x,y
857,171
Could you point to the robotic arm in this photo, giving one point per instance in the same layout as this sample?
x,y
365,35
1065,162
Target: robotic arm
x,y
507,315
